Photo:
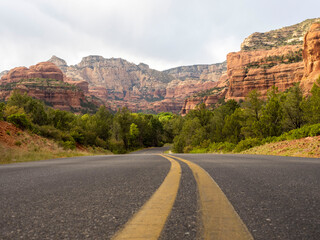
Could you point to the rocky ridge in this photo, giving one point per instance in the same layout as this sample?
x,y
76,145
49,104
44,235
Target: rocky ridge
x,y
45,81
119,83
291,35
281,66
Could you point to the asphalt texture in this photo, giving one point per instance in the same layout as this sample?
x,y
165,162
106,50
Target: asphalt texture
x,y
77,198
93,197
184,220
276,197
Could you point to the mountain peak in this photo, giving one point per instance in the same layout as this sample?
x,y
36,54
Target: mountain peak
x,y
58,61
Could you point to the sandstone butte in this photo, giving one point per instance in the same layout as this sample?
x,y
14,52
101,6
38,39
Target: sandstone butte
x,y
116,82
44,81
262,69
119,83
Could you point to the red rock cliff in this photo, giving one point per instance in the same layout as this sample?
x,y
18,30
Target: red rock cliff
x,y
311,57
262,69
44,81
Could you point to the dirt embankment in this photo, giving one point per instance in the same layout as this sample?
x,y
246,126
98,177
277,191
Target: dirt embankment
x,y
305,147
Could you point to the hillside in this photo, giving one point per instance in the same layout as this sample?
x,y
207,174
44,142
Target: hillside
x,y
291,35
119,83
305,147
17,145
277,64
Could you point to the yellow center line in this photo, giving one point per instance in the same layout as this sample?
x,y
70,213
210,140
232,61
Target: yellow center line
x,y
219,219
149,221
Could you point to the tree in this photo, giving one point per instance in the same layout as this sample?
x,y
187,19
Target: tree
x,y
134,135
293,108
272,113
314,103
122,122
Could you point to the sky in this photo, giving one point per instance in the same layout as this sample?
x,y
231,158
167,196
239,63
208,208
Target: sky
x,y
160,33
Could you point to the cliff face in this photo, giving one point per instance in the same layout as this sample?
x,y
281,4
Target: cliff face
x,y
311,57
44,81
272,60
280,67
198,72
119,83
291,35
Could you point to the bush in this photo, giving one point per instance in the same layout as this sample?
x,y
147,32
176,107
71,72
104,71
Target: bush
x,y
117,147
314,130
68,145
50,132
20,120
221,147
246,144
187,149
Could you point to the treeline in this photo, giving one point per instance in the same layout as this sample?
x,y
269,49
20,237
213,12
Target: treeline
x,y
234,126
120,132
230,126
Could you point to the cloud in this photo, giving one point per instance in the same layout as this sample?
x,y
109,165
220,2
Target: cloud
x,y
161,33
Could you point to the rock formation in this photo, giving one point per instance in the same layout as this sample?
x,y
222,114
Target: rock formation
x,y
291,35
311,57
198,72
272,60
263,69
44,81
119,83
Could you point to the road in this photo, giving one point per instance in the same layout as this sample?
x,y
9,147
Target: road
x,y
104,197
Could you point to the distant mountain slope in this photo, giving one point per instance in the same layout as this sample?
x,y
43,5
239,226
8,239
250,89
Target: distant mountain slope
x,y
121,83
291,35
210,72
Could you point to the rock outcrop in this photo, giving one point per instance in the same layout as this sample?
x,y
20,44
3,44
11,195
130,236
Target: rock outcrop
x,y
43,70
119,83
45,81
291,35
311,57
198,72
263,69
268,59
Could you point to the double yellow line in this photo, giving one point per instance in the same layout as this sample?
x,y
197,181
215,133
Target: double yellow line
x,y
219,219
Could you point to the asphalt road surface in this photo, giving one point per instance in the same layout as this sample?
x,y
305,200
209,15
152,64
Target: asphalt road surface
x,y
99,197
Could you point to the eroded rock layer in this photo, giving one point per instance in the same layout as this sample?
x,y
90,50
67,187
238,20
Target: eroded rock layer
x,y
119,83
45,81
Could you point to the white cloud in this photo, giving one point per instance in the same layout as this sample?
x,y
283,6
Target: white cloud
x,y
161,33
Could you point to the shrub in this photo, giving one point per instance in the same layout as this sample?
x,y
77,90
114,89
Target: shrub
x,y
314,130
246,144
117,147
68,145
221,147
50,132
18,143
20,120
187,149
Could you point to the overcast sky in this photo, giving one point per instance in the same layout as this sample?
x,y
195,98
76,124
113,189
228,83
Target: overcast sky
x,y
160,33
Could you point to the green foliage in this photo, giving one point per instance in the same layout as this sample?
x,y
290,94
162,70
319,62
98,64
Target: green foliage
x,y
246,144
222,147
271,61
20,120
2,108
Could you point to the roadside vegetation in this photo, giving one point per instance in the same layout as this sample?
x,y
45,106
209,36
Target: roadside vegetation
x,y
234,127
228,127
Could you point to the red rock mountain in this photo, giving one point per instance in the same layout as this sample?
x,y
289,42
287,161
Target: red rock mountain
x,y
119,83
45,81
269,59
280,57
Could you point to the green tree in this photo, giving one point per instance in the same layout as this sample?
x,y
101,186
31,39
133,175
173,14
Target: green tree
x,y
272,114
134,135
293,109
122,122
313,104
